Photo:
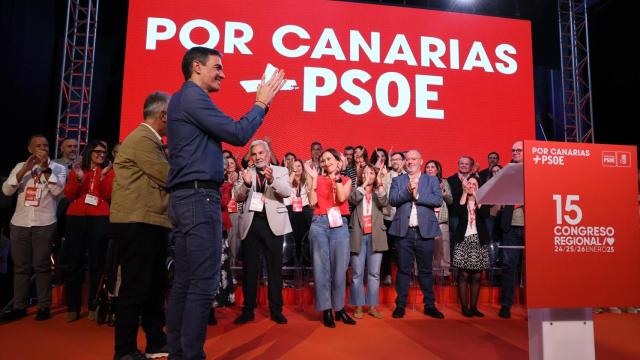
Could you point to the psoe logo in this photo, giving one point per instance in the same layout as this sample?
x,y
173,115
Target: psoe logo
x,y
623,158
609,158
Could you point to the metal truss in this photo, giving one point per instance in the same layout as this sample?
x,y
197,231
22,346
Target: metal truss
x,y
74,103
576,71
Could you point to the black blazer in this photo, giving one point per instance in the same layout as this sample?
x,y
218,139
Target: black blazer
x,y
456,191
481,215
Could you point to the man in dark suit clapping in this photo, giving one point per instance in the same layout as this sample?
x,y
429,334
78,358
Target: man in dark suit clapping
x,y
415,226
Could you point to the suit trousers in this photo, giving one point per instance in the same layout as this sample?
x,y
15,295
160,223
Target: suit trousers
x,y
261,241
510,261
197,220
142,254
31,245
414,246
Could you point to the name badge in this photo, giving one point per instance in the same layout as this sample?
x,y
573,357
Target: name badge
x,y
91,200
366,224
257,202
296,204
32,196
335,217
232,206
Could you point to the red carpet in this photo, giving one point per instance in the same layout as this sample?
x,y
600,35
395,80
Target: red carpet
x,y
414,337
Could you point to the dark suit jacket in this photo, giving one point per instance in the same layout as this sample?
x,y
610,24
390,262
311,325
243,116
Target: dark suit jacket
x,y
484,175
481,225
456,192
429,197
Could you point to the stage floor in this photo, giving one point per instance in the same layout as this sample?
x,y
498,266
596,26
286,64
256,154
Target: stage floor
x,y
414,337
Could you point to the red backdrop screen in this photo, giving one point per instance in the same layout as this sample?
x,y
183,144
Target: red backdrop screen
x,y
448,84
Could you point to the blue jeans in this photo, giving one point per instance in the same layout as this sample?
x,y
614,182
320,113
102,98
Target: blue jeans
x,y
414,246
510,260
373,260
330,262
195,215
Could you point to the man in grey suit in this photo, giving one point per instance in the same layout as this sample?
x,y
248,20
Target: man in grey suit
x,y
262,224
415,226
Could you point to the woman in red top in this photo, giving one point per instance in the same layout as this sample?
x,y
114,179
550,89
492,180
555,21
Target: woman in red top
x,y
329,235
88,190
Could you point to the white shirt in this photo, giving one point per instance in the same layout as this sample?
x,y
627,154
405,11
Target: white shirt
x,y
45,213
413,218
154,131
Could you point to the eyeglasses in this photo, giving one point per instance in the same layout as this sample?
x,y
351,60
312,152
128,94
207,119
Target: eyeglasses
x,y
99,151
516,150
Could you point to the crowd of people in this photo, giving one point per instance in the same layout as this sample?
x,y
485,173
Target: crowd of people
x,y
205,209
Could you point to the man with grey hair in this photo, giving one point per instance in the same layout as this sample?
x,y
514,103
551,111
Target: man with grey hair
x,y
140,229
262,224
415,226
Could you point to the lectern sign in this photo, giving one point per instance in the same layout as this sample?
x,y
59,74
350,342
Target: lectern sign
x,y
581,223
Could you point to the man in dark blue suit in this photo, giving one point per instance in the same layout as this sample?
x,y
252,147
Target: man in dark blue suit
x,y
415,226
195,130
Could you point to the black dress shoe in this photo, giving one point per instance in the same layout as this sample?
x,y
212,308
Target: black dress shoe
x,y
467,313
398,313
43,314
327,318
212,317
342,315
15,314
244,317
505,312
476,313
278,318
433,312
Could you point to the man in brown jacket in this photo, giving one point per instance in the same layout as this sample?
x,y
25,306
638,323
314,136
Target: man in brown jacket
x,y
140,228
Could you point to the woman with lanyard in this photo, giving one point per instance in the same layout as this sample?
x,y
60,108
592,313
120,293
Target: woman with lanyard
x,y
88,190
329,235
471,252
298,205
368,239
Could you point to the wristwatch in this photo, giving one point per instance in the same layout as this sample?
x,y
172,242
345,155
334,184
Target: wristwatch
x,y
339,180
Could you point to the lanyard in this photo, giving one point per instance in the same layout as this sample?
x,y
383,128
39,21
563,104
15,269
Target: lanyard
x,y
368,204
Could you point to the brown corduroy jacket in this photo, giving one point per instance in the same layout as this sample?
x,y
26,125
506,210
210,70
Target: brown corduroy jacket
x,y
139,188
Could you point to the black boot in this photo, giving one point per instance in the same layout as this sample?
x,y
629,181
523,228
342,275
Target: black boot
x,y
212,317
342,315
466,312
245,316
327,319
474,311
